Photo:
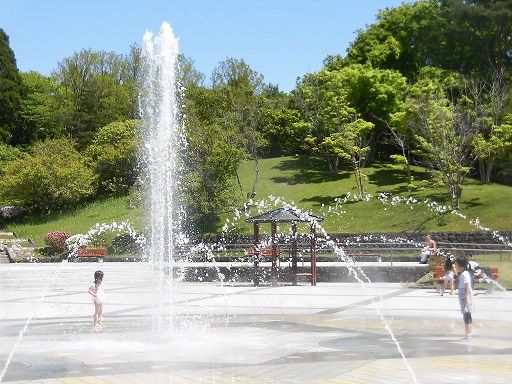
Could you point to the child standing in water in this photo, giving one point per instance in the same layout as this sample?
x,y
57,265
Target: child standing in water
x,y
465,296
98,296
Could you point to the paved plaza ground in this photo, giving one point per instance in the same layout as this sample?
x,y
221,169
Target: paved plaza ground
x,y
236,333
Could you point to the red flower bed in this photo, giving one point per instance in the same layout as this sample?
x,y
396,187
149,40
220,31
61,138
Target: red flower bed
x,y
56,240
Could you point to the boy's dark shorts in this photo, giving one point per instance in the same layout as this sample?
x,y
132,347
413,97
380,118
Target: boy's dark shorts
x,y
467,318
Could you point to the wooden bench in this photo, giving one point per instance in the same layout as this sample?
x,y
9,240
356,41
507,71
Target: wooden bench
x,y
492,273
266,251
438,274
88,252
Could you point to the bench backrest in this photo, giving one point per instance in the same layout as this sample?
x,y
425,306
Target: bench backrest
x,y
438,271
98,252
266,251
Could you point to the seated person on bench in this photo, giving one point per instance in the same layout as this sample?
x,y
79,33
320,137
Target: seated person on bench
x,y
429,249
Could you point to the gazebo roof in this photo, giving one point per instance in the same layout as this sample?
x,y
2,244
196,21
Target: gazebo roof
x,y
284,215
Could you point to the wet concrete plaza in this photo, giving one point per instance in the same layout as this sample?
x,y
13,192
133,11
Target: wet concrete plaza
x,y
236,333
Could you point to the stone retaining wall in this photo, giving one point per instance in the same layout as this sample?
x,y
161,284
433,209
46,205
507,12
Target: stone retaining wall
x,y
443,237
244,274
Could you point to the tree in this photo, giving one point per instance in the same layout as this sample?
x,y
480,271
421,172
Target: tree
x,y
496,145
213,155
467,36
10,93
322,99
350,143
238,75
41,108
100,89
482,34
401,39
375,94
488,103
188,74
8,153
401,132
282,131
241,88
443,132
332,97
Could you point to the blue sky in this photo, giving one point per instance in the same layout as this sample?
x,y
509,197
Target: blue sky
x,y
281,39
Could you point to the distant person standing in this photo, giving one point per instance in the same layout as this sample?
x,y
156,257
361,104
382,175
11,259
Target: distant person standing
x,y
429,249
98,296
473,269
465,296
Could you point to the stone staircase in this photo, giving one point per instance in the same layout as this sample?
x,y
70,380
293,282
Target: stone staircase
x,y
14,249
4,258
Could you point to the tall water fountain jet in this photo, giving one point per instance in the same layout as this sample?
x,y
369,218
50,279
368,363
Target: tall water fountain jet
x,y
163,142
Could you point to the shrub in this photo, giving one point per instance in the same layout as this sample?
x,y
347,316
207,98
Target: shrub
x,y
11,212
53,176
57,240
125,243
114,157
8,153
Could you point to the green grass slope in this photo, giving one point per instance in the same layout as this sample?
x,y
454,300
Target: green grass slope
x,y
306,183
80,219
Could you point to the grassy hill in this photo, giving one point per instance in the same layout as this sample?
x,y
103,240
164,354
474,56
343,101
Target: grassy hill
x,y
306,183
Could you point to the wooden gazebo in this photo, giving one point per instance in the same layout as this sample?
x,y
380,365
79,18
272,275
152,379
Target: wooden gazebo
x,y
284,215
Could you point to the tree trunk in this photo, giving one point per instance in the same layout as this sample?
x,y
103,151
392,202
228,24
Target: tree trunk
x,y
256,177
331,167
488,173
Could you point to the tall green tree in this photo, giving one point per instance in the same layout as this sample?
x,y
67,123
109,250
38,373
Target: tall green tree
x,y
213,155
241,88
42,108
462,35
100,88
10,94
481,34
375,95
189,75
490,106
444,133
401,39
282,131
322,99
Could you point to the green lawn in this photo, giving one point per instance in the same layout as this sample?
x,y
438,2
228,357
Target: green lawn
x,y
79,220
306,183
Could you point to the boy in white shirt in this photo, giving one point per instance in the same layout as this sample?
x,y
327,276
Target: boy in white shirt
x,y
465,296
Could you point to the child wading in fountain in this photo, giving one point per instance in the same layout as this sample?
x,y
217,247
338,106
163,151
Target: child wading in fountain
x,y
98,296
465,296
448,276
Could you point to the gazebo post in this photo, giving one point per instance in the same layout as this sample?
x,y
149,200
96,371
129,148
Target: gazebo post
x,y
313,254
294,253
256,240
284,215
274,252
